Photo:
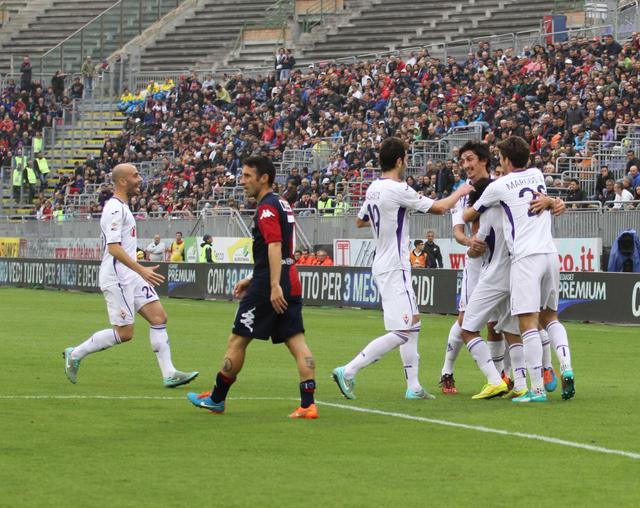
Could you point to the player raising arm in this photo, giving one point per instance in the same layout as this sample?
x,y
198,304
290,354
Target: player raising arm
x,y
385,210
127,286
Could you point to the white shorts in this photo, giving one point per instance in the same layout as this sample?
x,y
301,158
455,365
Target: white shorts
x,y
535,282
470,277
506,322
483,307
398,299
125,300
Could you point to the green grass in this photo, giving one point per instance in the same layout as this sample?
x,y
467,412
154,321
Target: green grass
x,y
136,452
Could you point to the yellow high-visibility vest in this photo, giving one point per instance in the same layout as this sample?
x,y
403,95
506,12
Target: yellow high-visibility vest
x,y
17,177
31,176
43,165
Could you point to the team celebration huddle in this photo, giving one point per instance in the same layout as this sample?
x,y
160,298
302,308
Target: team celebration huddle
x,y
510,282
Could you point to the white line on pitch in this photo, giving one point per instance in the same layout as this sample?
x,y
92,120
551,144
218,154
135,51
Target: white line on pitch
x,y
488,430
403,416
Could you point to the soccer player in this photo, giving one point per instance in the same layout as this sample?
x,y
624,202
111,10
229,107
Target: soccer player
x,y
474,157
271,304
127,286
535,268
385,209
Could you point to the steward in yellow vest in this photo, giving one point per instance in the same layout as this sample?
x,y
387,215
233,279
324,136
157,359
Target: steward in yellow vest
x,y
206,250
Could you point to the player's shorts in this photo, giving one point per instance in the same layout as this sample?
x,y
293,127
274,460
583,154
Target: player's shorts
x,y
257,319
470,277
125,300
505,321
482,307
535,282
398,299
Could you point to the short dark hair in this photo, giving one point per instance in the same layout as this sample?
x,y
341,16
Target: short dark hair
x,y
573,180
479,188
262,165
179,233
391,150
417,242
516,150
480,149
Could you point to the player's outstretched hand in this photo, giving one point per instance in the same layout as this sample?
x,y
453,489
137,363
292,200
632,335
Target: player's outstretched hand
x,y
277,299
241,288
465,189
148,274
559,207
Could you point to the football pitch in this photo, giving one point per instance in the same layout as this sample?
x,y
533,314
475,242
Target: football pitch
x,y
118,438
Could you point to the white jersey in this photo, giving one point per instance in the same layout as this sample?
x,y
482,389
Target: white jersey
x,y
118,226
385,207
496,267
526,234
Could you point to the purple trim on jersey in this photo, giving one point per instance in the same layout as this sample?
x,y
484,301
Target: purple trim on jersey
x,y
482,209
125,300
491,243
507,210
118,199
401,213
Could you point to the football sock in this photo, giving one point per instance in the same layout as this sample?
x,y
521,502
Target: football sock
x,y
373,351
307,389
160,345
558,335
533,359
220,390
516,352
411,360
454,344
480,352
507,359
99,341
496,348
546,350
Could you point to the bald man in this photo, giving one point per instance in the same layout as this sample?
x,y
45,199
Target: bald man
x,y
128,287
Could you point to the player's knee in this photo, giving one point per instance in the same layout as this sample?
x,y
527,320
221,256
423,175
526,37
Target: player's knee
x,y
125,333
237,343
159,318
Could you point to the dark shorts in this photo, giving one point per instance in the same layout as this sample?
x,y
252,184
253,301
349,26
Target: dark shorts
x,y
256,319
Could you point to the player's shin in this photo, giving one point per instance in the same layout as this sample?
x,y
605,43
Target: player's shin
x,y
99,341
411,359
454,344
546,350
516,352
558,335
496,348
221,389
373,351
160,345
480,352
533,359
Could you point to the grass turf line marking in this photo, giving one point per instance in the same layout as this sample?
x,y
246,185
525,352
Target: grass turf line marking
x,y
488,430
403,416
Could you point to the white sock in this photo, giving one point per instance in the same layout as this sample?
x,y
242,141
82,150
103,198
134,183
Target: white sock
x,y
480,352
454,345
558,335
507,359
516,352
160,346
99,341
373,351
411,360
533,359
546,350
496,348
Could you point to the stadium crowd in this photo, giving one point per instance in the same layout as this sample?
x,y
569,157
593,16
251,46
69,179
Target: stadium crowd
x,y
558,97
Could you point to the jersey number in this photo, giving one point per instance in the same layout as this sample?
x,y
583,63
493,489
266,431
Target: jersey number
x,y
148,291
524,190
374,217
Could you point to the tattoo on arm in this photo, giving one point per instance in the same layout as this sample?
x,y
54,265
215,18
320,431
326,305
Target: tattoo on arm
x,y
310,363
227,365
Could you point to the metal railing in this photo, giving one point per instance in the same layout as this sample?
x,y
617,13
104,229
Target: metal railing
x,y
103,35
315,14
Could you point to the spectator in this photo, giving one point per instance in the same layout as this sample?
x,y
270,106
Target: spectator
x,y
206,250
296,256
156,249
608,194
57,84
322,258
434,256
88,72
417,256
634,176
325,204
444,180
340,207
77,89
601,181
632,160
25,75
622,196
177,249
575,194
